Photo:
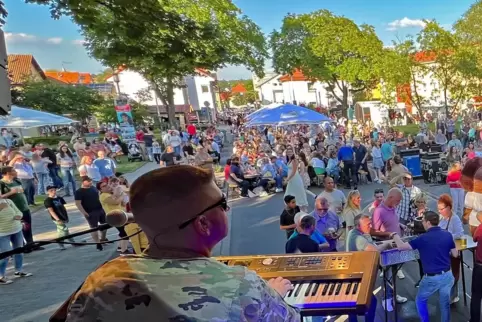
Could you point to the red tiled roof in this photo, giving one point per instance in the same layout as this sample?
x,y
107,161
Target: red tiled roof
x,y
71,77
296,77
238,88
20,68
200,71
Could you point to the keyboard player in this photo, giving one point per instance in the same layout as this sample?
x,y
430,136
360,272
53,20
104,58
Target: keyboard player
x,y
359,239
183,213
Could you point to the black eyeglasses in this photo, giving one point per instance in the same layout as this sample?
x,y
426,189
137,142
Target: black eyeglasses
x,y
223,203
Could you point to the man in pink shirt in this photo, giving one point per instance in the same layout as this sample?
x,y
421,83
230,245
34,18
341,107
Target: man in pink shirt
x,y
385,217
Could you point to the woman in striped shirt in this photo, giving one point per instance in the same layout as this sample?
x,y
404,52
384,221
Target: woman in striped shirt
x,y
10,231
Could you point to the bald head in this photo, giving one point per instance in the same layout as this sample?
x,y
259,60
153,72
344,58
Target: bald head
x,y
394,197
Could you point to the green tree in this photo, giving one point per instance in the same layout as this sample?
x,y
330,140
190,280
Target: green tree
x,y
77,101
455,64
180,36
102,77
402,73
329,48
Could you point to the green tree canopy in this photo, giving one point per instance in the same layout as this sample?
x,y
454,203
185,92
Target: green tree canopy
x,y
77,101
329,48
166,40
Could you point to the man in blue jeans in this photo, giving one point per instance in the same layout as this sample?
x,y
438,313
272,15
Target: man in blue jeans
x,y
435,248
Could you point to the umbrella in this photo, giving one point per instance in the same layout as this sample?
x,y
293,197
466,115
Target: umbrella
x,y
287,114
25,118
261,110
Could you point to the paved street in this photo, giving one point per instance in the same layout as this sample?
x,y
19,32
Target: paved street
x,y
254,229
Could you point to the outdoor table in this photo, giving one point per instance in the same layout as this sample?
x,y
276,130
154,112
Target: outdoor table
x,y
470,246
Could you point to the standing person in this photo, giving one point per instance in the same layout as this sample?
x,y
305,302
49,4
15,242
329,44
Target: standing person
x,y
378,196
67,165
56,208
191,130
40,168
88,202
287,217
456,190
12,189
336,198
169,158
303,243
148,140
327,223
175,141
477,275
453,224
409,192
25,175
52,166
10,237
352,209
88,168
105,165
112,200
377,161
436,247
359,240
156,150
387,153
361,155
295,185
347,156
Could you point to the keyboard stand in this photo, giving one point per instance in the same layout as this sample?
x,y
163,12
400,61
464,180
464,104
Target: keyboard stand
x,y
391,282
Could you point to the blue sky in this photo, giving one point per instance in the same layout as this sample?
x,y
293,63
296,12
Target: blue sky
x,y
57,43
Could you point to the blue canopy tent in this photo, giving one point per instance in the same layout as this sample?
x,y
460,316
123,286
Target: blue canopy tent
x,y
287,114
262,110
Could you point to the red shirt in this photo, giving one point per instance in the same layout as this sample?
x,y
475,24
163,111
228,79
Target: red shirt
x,y
454,176
227,171
140,136
191,129
478,239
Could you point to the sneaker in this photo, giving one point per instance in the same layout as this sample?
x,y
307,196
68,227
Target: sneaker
x,y
99,247
119,249
22,274
455,300
279,190
5,281
401,299
388,305
400,274
418,283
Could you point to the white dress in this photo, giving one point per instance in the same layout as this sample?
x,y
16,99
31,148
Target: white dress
x,y
296,188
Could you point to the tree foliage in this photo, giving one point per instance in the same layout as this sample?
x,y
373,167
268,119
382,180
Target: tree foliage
x,y
106,113
329,48
166,40
77,101
102,77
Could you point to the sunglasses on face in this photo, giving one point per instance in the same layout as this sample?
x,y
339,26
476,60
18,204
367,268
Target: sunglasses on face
x,y
223,203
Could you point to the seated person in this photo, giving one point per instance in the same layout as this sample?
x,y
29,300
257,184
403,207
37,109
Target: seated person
x,y
268,171
323,244
303,242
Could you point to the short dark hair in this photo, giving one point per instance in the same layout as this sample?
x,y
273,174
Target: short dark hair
x,y
432,217
228,162
289,198
6,170
307,222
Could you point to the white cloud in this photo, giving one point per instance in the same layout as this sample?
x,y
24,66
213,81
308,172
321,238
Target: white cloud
x,y
78,42
17,38
55,40
406,23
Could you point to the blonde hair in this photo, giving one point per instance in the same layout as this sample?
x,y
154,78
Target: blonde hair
x,y
420,197
349,198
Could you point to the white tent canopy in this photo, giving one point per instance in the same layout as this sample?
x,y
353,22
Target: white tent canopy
x,y
25,118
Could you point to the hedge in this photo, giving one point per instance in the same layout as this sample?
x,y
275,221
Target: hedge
x,y
48,140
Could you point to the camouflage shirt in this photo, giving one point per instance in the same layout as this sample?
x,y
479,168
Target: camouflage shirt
x,y
133,288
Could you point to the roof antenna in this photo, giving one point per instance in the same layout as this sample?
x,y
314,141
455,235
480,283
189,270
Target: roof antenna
x,y
63,65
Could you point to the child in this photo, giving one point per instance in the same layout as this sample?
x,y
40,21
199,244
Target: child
x,y
156,150
303,242
323,244
58,213
287,218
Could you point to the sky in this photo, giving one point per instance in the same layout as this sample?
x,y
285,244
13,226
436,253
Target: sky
x,y
58,43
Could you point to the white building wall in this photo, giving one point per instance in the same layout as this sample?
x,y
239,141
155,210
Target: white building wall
x,y
298,90
130,83
202,83
271,91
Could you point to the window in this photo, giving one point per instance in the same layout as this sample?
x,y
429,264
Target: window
x,y
81,79
204,88
311,87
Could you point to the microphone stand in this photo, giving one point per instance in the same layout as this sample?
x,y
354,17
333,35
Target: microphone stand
x,y
31,246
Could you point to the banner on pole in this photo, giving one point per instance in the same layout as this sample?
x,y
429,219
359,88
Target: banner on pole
x,y
124,117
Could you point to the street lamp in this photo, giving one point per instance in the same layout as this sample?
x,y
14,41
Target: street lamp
x,y
117,81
